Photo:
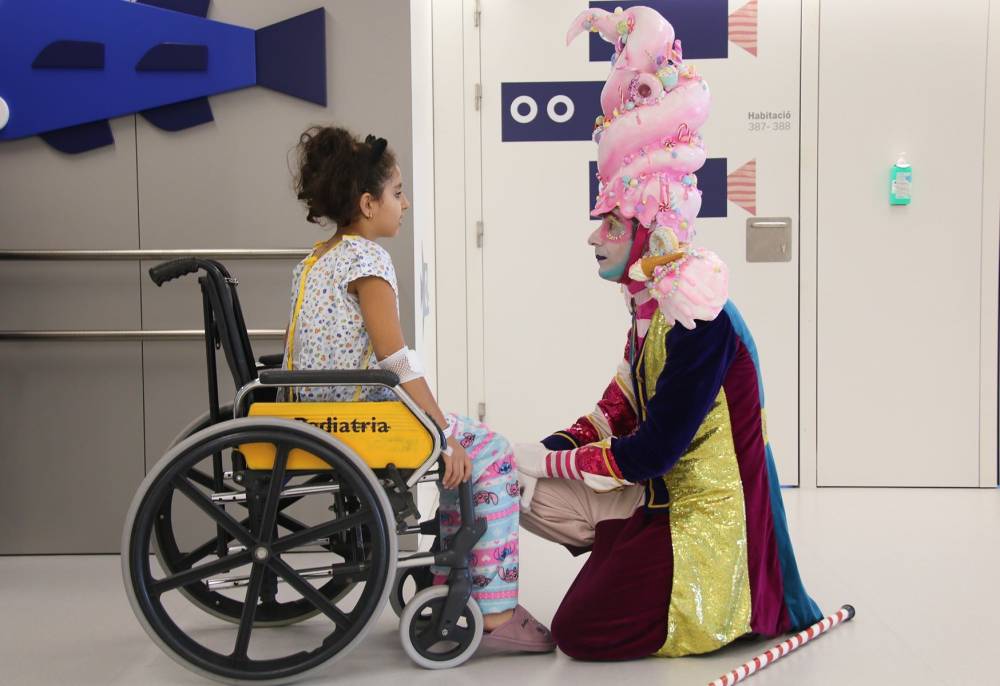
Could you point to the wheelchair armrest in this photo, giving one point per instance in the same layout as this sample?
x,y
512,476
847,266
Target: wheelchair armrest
x,y
271,361
345,377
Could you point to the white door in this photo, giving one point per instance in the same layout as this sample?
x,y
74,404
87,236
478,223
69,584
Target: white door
x,y
899,287
553,331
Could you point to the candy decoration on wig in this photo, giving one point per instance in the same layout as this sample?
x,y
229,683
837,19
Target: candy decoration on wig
x,y
707,557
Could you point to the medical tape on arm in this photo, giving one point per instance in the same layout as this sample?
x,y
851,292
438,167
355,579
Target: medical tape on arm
x,y
404,363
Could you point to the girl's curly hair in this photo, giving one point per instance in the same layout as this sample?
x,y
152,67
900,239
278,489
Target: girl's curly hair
x,y
336,169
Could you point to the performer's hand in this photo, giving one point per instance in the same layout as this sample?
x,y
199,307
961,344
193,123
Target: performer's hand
x,y
457,466
531,459
527,485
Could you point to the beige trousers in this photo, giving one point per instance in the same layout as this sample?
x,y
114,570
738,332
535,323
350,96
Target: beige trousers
x,y
567,512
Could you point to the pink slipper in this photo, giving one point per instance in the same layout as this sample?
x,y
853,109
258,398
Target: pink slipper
x,y
522,633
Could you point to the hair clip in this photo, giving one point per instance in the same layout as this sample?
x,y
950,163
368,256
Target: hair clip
x,y
377,145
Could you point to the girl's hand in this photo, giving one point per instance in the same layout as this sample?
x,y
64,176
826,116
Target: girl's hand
x,y
457,466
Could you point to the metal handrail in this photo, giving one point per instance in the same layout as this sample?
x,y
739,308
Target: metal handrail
x,y
119,335
211,254
165,335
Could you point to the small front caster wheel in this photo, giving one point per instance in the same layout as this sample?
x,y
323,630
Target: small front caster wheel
x,y
400,596
421,641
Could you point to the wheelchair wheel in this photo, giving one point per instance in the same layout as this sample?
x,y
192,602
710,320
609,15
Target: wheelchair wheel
x,y
417,631
202,421
401,595
271,567
174,557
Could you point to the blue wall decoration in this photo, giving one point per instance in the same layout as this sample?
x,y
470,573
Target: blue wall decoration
x,y
174,57
179,115
527,109
68,66
288,54
198,8
70,54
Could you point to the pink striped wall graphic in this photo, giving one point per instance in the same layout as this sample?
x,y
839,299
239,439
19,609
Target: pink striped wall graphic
x,y
742,187
743,27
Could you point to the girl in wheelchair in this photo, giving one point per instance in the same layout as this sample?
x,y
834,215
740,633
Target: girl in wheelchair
x,y
344,315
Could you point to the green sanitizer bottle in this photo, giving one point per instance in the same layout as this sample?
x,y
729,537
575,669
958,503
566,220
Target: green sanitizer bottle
x,y
900,182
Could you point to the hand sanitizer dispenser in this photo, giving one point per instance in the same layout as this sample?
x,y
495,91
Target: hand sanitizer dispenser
x,y
900,181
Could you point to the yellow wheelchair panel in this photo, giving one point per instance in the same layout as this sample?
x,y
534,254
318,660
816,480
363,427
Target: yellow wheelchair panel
x,y
381,433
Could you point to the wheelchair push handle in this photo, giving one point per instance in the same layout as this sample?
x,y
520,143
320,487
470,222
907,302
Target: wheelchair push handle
x,y
174,269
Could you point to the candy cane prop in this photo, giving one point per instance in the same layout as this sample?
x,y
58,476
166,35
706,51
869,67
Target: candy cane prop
x,y
779,651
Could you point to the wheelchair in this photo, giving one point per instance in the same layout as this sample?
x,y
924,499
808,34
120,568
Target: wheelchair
x,y
266,514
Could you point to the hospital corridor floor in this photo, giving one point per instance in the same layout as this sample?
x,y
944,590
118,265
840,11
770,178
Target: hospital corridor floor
x,y
921,567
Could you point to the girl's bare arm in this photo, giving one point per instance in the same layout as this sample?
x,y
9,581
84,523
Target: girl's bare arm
x,y
378,309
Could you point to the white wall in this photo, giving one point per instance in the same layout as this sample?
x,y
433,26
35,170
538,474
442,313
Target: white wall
x,y
422,184
899,288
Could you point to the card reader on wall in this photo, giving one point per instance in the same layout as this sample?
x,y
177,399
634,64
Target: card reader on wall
x,y
769,239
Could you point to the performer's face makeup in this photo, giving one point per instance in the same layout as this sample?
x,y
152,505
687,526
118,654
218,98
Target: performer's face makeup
x,y
612,242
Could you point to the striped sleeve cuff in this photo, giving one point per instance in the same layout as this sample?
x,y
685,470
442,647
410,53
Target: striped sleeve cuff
x,y
561,464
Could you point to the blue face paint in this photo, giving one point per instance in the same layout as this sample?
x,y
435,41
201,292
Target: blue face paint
x,y
615,271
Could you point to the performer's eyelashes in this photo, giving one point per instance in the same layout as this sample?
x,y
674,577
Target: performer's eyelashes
x,y
614,230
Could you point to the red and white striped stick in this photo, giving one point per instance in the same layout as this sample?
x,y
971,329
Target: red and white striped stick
x,y
779,651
